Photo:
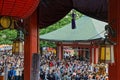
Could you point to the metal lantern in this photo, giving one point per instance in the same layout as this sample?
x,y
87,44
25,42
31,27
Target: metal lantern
x,y
106,53
18,44
106,47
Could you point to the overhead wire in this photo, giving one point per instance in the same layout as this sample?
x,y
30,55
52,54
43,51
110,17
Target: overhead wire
x,y
97,35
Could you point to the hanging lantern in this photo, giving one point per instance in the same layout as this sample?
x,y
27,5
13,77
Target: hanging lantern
x,y
18,44
106,53
106,49
18,8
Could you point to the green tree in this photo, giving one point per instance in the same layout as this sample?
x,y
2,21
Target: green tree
x,y
7,35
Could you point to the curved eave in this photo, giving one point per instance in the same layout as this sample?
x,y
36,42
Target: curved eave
x,y
53,40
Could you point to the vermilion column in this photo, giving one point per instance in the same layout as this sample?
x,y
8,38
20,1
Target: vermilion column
x,y
79,51
90,54
60,51
114,20
96,55
84,53
30,44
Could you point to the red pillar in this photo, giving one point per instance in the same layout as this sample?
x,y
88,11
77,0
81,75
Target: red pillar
x,y
60,51
114,18
90,54
79,51
84,53
61,54
30,44
96,55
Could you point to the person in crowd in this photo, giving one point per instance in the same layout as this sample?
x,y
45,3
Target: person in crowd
x,y
22,75
12,74
51,75
17,77
42,75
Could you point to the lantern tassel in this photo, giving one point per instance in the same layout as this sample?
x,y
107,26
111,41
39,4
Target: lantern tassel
x,y
73,21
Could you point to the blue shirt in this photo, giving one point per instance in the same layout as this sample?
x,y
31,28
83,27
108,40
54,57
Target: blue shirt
x,y
12,73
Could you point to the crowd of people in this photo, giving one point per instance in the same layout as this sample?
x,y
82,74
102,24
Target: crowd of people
x,y
51,68
69,68
11,66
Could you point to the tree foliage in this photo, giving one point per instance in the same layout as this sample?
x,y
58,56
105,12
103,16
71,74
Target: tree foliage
x,y
7,36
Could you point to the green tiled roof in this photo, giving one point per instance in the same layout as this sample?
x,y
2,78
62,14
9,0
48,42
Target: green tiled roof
x,y
86,29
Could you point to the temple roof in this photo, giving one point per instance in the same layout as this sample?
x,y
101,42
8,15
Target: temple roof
x,y
86,29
